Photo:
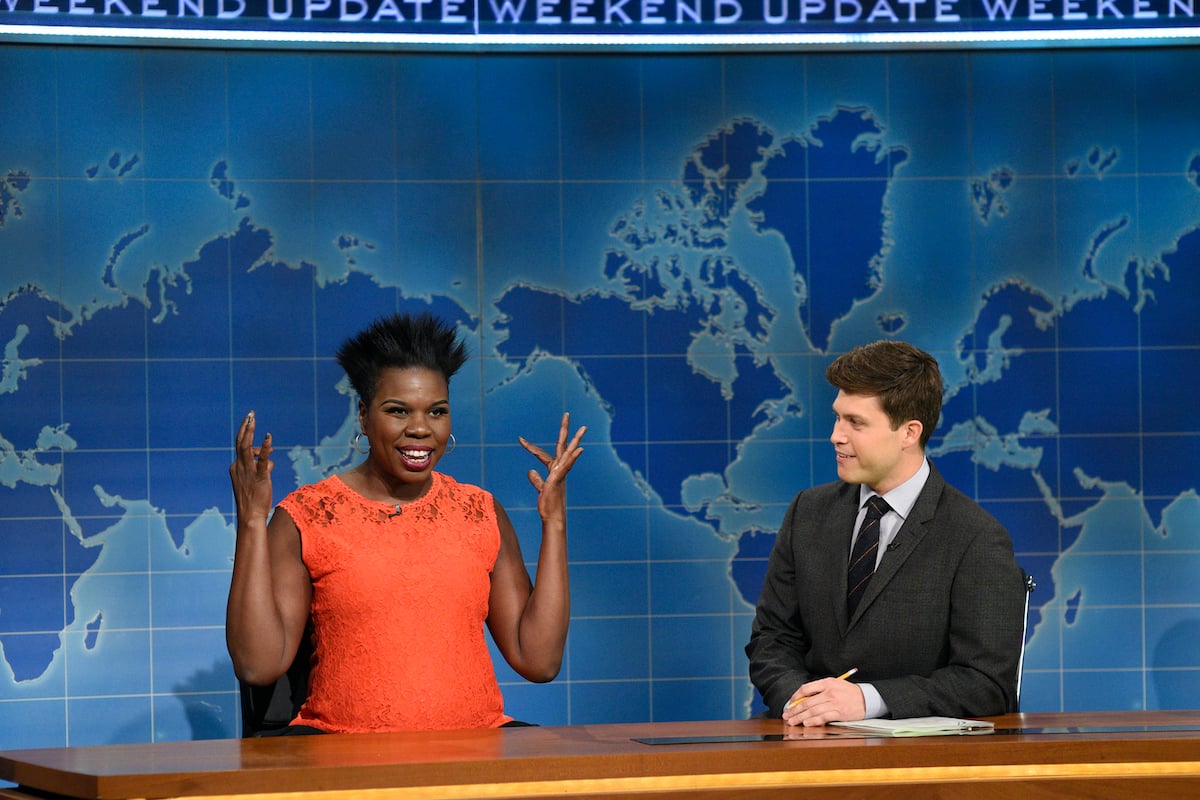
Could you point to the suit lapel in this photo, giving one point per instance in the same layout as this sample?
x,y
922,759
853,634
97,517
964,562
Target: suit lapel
x,y
840,532
910,535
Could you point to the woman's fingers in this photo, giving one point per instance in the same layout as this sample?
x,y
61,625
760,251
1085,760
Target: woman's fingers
x,y
251,459
263,455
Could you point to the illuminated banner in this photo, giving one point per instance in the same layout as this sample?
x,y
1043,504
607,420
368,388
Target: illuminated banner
x,y
688,23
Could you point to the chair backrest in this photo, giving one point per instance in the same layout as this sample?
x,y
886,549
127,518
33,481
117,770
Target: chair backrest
x,y
1030,585
267,710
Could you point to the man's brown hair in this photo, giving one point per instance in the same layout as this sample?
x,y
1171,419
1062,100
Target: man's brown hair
x,y
906,380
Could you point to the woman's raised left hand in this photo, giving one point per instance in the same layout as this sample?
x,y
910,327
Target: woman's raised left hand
x,y
552,489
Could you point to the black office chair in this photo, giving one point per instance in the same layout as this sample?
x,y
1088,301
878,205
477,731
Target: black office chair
x,y
267,710
1030,584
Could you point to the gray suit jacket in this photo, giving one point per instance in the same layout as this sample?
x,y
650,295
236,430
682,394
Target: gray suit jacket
x,y
939,629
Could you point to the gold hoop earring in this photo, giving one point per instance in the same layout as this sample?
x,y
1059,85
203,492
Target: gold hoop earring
x,y
356,442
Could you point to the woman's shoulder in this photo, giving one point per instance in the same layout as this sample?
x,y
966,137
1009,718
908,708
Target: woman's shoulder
x,y
447,484
330,490
472,502
322,488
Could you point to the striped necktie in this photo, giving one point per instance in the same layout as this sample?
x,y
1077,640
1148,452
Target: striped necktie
x,y
862,557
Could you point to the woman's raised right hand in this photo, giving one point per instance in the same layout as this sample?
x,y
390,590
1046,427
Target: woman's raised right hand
x,y
250,474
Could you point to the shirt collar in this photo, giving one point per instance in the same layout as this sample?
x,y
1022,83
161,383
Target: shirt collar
x,y
904,496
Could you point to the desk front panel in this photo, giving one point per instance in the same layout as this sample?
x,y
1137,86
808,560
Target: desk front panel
x,y
1142,754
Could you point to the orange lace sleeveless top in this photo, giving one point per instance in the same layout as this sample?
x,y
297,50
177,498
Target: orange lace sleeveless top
x,y
398,608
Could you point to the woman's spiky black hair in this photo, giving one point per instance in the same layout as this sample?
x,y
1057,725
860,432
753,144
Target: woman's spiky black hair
x,y
400,341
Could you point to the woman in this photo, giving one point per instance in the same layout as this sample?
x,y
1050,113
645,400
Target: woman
x,y
397,565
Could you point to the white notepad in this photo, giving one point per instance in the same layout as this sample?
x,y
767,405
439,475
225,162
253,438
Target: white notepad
x,y
918,726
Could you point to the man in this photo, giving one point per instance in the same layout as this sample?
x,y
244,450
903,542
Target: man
x,y
936,628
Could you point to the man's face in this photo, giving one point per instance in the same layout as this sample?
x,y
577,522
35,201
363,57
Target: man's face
x,y
868,449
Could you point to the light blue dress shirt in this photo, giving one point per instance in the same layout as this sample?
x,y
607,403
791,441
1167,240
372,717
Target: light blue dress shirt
x,y
901,499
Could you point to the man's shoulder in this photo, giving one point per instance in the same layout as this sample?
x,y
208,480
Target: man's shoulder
x,y
823,493
948,502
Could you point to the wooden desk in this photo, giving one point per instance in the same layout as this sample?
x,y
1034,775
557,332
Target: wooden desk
x,y
1140,755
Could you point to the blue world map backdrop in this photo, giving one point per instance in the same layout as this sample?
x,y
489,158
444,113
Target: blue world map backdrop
x,y
671,247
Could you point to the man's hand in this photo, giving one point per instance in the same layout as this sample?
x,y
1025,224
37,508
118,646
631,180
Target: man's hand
x,y
823,701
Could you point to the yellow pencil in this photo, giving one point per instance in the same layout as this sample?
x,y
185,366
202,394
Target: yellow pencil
x,y
841,677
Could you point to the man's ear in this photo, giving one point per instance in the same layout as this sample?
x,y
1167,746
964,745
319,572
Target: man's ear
x,y
912,432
